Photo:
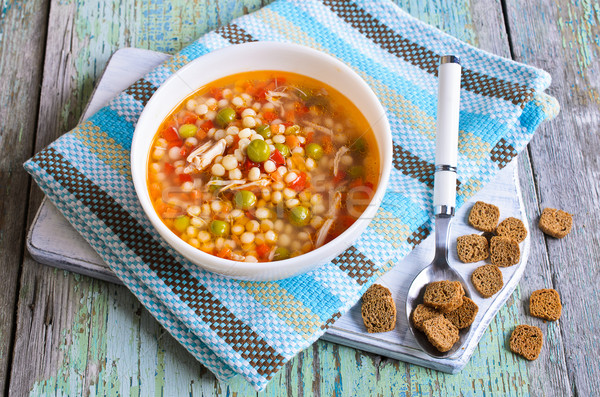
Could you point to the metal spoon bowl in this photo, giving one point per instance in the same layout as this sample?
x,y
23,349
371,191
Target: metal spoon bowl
x,y
436,271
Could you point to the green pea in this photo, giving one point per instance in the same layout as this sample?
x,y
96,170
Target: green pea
x,y
181,223
258,151
264,131
245,199
283,149
225,116
219,228
281,253
187,130
314,151
356,171
299,216
359,145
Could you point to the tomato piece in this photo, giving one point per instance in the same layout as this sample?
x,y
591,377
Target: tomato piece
x,y
339,177
299,183
249,164
170,134
263,251
185,178
279,80
177,142
189,118
269,116
216,93
207,125
261,94
277,157
169,168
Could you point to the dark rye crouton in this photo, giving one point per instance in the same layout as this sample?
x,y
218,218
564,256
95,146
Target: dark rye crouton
x,y
379,314
504,251
421,314
526,340
464,316
487,280
545,303
441,333
472,248
444,295
512,228
484,216
555,223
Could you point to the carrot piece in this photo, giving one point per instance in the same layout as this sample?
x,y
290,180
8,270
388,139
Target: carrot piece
x,y
269,116
292,141
224,253
200,134
309,137
276,176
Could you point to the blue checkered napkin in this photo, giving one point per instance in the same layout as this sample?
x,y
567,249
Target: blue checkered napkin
x,y
254,328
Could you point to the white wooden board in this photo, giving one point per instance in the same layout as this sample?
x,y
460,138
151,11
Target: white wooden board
x,y
53,241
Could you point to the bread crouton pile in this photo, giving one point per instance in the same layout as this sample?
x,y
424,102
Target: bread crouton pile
x,y
445,309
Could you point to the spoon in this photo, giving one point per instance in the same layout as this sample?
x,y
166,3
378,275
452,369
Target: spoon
x,y
444,198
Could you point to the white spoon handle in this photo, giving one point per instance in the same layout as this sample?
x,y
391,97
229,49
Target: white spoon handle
x,y
446,143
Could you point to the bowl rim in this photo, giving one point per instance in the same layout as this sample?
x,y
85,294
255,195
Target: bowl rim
x,y
246,270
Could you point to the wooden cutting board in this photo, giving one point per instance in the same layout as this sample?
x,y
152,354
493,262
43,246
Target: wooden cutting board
x,y
53,241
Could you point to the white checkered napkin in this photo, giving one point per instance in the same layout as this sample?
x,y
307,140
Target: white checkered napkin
x,y
253,328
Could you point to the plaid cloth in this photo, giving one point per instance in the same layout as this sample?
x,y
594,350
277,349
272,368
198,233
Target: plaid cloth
x,y
254,328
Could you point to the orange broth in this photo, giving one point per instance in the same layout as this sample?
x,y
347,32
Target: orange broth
x,y
309,178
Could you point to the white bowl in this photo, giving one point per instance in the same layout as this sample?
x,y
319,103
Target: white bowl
x,y
259,56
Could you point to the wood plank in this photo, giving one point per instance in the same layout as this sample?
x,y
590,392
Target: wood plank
x,y
562,38
22,37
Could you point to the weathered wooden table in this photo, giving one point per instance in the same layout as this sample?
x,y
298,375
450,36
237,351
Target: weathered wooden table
x,y
65,334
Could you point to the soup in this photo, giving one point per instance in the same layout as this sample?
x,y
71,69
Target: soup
x,y
262,166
